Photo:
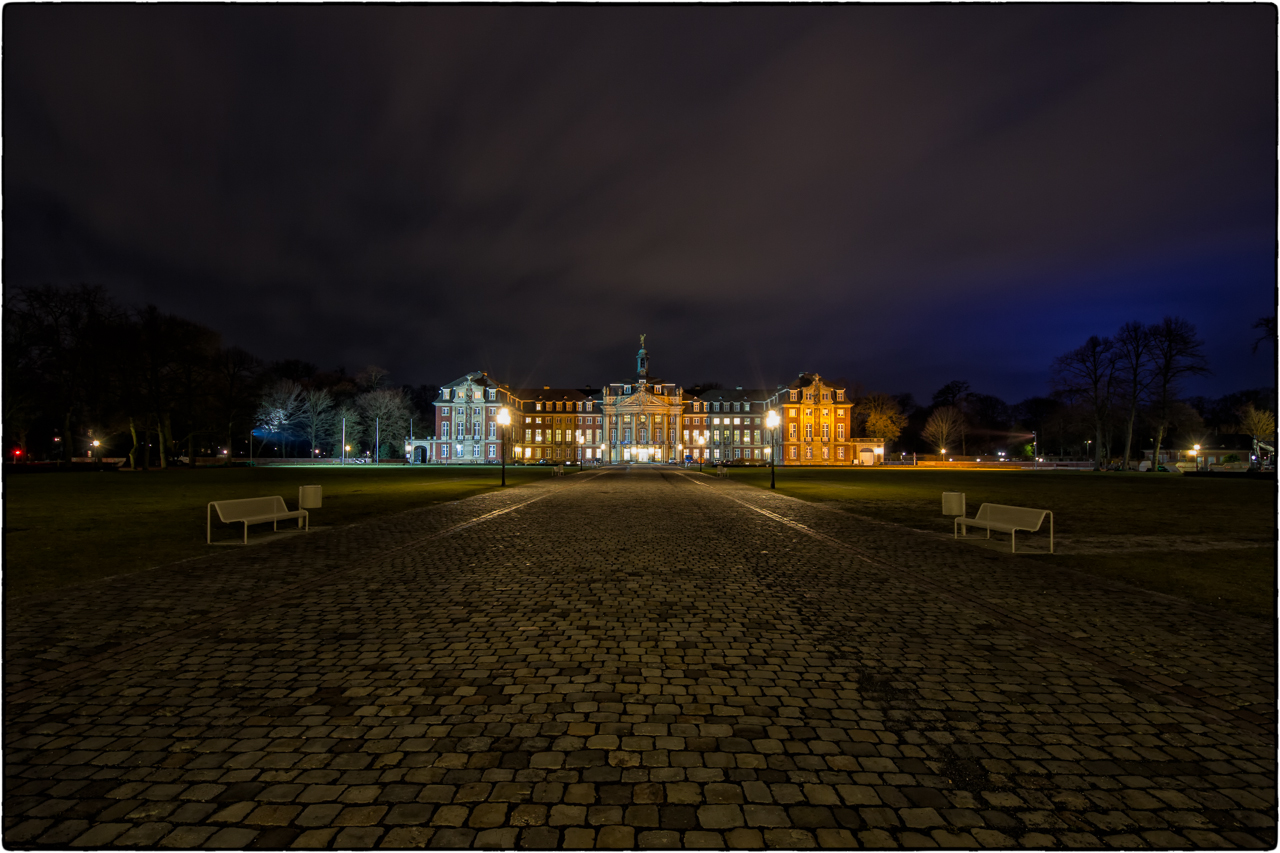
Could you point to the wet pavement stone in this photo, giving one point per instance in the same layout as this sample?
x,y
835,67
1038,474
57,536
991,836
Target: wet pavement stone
x,y
632,658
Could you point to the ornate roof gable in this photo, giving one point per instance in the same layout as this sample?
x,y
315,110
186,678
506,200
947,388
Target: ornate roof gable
x,y
643,398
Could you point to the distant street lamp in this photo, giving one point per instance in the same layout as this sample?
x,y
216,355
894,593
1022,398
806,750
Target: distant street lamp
x,y
772,421
504,419
582,452
96,443
702,449
1195,452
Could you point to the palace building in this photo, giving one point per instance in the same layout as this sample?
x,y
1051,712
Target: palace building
x,y
645,420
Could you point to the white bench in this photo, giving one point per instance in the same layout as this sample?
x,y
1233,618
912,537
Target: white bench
x,y
252,511
1006,519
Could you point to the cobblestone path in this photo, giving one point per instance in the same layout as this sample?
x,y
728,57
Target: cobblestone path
x,y
632,658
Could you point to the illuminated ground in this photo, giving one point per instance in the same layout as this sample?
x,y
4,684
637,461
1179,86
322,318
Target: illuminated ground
x,y
633,658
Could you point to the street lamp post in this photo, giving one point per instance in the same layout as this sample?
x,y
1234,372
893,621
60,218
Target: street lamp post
x,y
582,453
1196,453
772,421
504,419
702,450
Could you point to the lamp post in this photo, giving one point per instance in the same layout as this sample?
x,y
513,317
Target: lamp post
x,y
96,443
1195,451
771,421
702,450
504,419
582,452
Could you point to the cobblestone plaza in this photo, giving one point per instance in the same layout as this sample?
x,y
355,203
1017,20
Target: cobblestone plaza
x,y
632,657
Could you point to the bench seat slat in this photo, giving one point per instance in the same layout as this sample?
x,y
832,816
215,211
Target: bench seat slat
x,y
248,511
1007,519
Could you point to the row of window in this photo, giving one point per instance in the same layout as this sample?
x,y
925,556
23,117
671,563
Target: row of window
x,y
460,394
460,430
561,436
642,436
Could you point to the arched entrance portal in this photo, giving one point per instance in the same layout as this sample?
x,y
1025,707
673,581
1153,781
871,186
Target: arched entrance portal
x,y
419,455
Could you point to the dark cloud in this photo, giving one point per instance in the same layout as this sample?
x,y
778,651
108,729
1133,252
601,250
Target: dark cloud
x,y
901,195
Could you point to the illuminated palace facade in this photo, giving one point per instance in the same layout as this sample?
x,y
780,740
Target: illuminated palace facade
x,y
645,420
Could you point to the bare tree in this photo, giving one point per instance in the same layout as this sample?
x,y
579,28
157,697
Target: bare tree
x,y
943,425
372,377
1089,374
1133,355
1176,354
280,410
1266,327
390,410
315,417
346,427
233,383
884,418
1259,424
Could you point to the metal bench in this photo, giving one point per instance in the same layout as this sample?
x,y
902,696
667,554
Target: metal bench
x,y
252,511
1006,519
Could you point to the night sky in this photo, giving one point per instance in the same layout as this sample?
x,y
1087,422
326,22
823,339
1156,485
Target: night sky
x,y
900,196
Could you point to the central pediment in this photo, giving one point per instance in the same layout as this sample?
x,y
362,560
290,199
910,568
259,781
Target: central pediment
x,y
643,398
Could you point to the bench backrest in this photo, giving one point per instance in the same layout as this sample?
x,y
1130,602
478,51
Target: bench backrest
x,y
1015,516
243,508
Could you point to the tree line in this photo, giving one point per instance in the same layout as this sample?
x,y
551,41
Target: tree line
x,y
79,367
1112,398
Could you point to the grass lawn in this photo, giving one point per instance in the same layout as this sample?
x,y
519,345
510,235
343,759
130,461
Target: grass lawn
x,y
62,529
1085,503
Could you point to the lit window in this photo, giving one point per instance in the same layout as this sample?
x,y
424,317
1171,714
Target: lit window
x,y
493,450
493,430
737,421
493,394
824,453
793,453
826,432
795,395
537,407
840,434
746,407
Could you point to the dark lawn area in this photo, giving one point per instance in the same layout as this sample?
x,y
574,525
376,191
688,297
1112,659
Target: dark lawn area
x,y
1085,503
66,528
